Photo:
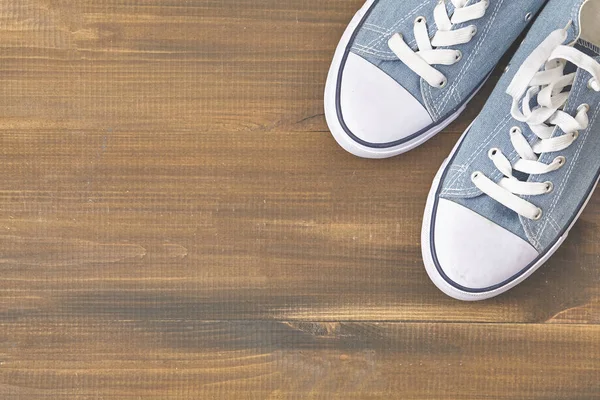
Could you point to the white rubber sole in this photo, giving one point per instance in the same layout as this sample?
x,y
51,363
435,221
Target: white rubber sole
x,y
431,268
338,132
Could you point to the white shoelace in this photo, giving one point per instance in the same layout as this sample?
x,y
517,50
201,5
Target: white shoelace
x,y
549,85
421,61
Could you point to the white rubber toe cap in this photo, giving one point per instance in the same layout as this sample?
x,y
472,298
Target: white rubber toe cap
x,y
375,108
474,252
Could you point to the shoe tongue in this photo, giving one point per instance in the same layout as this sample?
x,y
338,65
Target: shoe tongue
x,y
589,25
589,37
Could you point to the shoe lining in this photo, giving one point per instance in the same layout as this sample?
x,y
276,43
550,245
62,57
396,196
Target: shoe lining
x,y
590,22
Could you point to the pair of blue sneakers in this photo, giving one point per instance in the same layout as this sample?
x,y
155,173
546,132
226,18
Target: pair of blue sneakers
x,y
520,176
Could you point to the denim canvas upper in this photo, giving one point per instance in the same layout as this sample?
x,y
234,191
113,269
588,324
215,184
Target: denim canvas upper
x,y
572,183
496,31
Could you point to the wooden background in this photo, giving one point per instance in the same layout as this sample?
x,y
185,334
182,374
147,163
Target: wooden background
x,y
177,223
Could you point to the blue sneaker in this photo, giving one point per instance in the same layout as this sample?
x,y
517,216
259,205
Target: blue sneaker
x,y
519,178
404,70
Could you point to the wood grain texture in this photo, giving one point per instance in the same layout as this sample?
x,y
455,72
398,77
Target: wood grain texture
x,y
176,222
162,359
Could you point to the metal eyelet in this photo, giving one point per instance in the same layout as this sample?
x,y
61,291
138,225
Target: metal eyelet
x,y
539,215
443,83
473,30
584,106
561,160
420,20
528,17
549,187
493,152
459,56
575,135
593,85
475,175
515,130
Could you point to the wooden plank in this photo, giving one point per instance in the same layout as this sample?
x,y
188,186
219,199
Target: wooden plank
x,y
91,358
177,222
176,151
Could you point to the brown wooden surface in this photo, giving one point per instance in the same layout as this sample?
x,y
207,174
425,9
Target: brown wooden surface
x,y
177,223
